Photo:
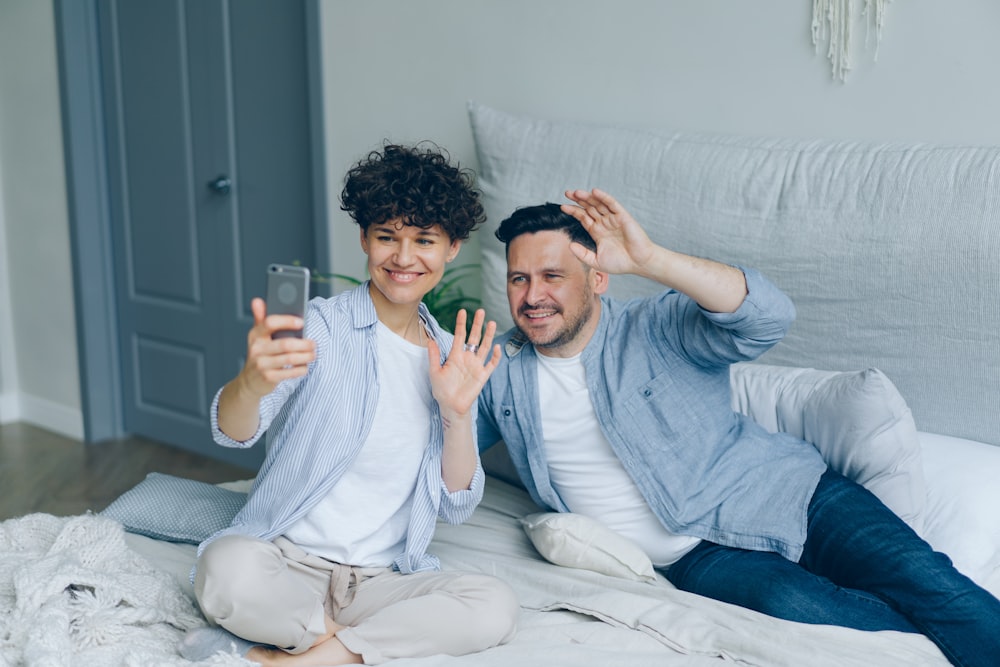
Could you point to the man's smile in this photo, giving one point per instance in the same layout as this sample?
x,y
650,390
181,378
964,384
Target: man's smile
x,y
538,313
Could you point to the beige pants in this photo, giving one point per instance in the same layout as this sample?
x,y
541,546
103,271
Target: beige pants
x,y
276,593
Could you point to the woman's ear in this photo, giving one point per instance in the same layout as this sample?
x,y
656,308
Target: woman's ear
x,y
456,245
364,240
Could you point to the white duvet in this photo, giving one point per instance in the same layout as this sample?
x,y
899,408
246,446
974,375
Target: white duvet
x,y
75,591
73,594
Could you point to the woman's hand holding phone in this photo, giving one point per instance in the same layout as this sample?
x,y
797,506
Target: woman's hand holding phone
x,y
271,359
276,350
268,362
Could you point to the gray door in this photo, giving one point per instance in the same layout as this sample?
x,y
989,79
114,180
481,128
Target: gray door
x,y
207,112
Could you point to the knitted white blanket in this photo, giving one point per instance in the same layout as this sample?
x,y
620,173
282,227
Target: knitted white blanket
x,y
72,593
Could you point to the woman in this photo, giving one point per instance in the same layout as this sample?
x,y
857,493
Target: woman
x,y
370,422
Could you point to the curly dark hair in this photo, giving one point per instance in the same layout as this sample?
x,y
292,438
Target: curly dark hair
x,y
417,184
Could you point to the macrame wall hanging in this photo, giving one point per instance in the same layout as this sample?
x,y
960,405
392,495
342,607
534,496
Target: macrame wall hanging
x,y
833,22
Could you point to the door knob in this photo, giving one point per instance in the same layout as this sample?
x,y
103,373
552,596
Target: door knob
x,y
221,185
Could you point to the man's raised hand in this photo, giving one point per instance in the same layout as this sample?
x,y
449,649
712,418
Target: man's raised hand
x,y
622,244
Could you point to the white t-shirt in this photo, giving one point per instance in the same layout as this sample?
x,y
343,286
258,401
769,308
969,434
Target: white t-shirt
x,y
363,520
585,470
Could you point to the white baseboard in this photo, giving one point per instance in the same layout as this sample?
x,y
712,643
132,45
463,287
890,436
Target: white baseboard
x,y
10,408
43,413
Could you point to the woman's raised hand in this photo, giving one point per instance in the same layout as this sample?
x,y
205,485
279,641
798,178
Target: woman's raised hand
x,y
457,382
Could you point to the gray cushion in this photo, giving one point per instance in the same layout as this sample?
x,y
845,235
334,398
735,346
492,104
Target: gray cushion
x,y
857,420
890,252
175,509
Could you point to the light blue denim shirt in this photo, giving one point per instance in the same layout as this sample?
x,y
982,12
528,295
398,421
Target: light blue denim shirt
x,y
658,374
317,424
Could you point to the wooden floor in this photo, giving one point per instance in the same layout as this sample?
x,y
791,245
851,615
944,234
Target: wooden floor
x,y
44,472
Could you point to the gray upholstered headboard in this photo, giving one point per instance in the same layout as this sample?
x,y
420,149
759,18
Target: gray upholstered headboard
x,y
890,252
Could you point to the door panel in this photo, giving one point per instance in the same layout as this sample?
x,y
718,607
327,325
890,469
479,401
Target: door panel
x,y
170,378
270,81
153,120
196,90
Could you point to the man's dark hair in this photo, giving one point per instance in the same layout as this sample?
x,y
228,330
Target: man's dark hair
x,y
416,184
542,218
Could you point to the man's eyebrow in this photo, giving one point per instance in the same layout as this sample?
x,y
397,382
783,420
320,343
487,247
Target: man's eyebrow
x,y
545,270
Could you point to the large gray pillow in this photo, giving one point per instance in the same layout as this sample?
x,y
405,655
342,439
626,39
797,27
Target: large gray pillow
x,y
889,251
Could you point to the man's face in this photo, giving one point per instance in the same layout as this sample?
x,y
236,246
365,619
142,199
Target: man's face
x,y
553,296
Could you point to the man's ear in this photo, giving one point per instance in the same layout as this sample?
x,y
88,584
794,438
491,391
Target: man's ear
x,y
456,245
599,281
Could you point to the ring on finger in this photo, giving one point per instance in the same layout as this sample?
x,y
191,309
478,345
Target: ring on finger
x,y
471,347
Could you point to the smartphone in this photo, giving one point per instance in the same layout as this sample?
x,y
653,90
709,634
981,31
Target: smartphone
x,y
287,294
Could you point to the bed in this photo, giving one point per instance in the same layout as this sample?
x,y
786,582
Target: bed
x,y
892,369
89,593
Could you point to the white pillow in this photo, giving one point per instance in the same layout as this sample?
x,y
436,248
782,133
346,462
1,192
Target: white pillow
x,y
962,516
858,420
574,540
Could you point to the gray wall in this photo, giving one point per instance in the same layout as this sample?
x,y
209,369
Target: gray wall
x,y
403,70
39,380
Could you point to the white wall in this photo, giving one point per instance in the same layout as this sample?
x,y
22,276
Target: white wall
x,y
9,405
39,377
403,70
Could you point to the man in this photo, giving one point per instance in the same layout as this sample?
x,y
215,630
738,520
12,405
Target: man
x,y
621,411
369,420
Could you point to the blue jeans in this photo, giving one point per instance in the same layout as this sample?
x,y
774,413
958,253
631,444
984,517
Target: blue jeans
x,y
862,567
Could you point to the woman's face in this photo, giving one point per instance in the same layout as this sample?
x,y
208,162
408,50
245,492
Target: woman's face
x,y
406,262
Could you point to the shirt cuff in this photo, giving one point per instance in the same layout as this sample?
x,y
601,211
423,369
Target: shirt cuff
x,y
764,301
457,506
221,438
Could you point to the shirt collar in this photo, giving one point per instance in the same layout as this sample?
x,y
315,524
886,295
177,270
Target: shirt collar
x,y
363,315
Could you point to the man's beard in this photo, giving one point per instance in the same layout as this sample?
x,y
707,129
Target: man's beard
x,y
568,331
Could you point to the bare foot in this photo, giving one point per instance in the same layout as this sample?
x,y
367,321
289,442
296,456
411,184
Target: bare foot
x,y
327,653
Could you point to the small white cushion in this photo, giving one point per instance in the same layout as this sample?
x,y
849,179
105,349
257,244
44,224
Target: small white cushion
x,y
574,540
962,517
858,420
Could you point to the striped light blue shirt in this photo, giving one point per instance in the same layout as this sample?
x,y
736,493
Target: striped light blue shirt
x,y
317,424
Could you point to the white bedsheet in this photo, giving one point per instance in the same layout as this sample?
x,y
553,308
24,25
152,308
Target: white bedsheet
x,y
686,629
569,617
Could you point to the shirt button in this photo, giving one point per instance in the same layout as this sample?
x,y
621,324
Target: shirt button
x,y
506,413
647,392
